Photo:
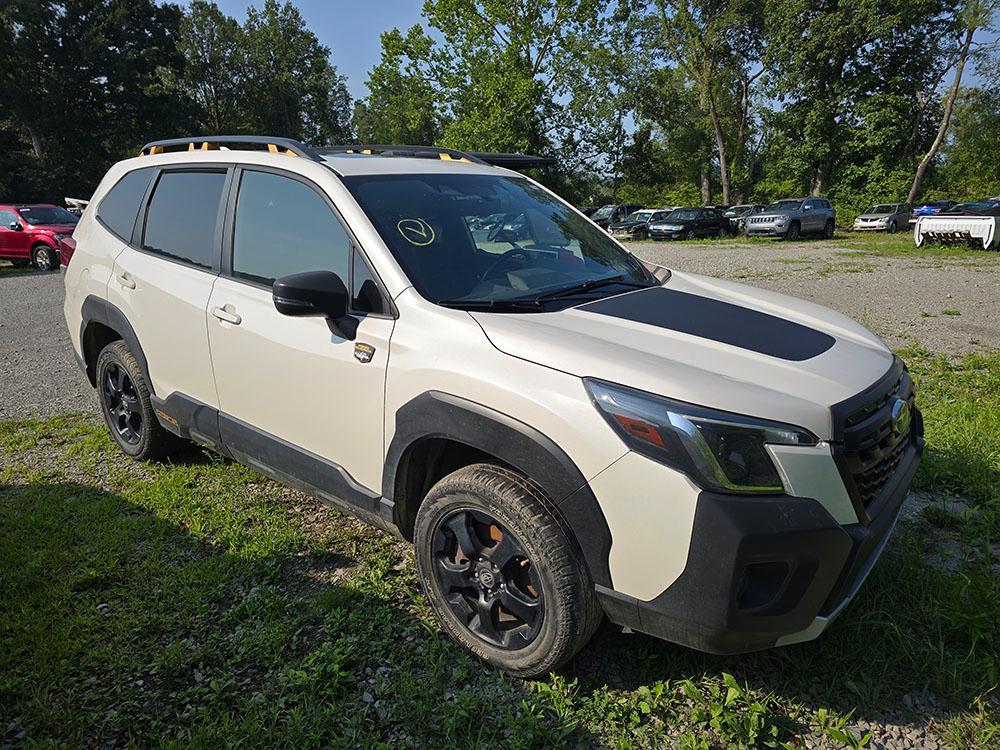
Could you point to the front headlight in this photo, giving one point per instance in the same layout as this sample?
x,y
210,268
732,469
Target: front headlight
x,y
718,450
780,220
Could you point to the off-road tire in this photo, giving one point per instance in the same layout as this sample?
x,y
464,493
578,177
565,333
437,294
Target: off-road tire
x,y
44,258
571,612
828,230
154,442
793,232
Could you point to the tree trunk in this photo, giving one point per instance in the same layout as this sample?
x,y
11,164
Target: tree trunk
x,y
706,187
36,142
949,105
720,144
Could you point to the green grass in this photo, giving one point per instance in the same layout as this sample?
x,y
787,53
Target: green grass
x,y
199,604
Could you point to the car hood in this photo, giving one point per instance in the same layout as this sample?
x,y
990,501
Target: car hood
x,y
872,217
707,342
627,224
673,222
51,228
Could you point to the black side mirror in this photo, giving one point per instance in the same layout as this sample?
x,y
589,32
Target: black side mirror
x,y
16,226
316,293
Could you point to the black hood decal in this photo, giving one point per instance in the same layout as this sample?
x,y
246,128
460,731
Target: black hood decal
x,y
716,320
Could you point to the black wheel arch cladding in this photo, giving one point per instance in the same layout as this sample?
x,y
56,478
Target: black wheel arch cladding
x,y
440,415
96,310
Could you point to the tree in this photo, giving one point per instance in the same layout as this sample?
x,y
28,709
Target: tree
x,y
295,90
403,105
215,70
716,44
970,16
81,84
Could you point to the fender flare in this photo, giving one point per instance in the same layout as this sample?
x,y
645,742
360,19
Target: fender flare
x,y
434,414
97,310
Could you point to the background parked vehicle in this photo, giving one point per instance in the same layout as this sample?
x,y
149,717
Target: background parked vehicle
x,y
737,215
791,217
976,224
67,246
31,234
689,223
635,226
605,216
929,208
885,217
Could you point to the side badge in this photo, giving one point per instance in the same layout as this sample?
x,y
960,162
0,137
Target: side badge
x,y
364,352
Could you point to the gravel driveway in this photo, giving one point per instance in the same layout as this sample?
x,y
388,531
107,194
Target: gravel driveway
x,y
946,304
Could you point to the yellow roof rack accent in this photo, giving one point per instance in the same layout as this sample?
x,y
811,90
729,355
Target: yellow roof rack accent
x,y
273,144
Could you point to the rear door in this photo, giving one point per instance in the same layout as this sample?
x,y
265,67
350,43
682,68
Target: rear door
x,y
295,396
14,243
162,281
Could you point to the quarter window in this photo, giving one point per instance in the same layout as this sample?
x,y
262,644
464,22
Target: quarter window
x,y
121,204
283,226
7,218
182,215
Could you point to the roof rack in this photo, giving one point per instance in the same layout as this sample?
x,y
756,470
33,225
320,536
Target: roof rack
x,y
419,152
286,146
508,161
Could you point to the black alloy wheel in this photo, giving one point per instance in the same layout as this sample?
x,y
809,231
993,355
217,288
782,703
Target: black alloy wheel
x,y
122,403
793,231
828,230
488,578
689,234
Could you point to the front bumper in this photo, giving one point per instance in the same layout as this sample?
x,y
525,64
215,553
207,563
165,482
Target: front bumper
x,y
667,234
870,228
765,571
766,230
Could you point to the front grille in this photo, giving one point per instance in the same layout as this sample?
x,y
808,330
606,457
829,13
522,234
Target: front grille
x,y
872,448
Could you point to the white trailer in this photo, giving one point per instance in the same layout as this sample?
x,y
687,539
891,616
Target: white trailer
x,y
974,230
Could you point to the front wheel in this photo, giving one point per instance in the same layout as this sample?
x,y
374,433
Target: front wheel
x,y
892,228
44,258
501,573
793,231
689,234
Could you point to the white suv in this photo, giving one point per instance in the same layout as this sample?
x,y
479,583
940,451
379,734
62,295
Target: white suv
x,y
448,350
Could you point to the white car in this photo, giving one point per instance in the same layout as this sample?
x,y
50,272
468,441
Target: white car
x,y
563,430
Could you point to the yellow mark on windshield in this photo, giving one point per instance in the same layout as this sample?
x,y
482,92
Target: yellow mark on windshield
x,y
416,231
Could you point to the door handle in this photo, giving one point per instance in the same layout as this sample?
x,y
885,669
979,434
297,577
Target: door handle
x,y
126,281
229,317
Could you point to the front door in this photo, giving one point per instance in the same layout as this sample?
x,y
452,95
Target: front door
x,y
13,242
295,397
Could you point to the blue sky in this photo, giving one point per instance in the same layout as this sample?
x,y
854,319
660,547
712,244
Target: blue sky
x,y
350,29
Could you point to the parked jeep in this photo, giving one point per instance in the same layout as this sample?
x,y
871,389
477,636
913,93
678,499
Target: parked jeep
x,y
791,217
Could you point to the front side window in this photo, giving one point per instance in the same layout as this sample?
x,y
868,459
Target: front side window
x,y
538,247
47,215
182,216
283,226
120,206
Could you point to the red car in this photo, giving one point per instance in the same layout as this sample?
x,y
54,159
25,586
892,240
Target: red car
x,y
31,234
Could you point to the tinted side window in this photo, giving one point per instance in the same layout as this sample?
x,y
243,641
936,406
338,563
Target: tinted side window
x,y
366,297
120,206
283,226
180,221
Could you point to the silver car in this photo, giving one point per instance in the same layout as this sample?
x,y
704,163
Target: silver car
x,y
792,217
885,217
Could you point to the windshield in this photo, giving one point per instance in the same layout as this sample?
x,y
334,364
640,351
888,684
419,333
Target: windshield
x,y
604,212
784,206
639,216
36,215
885,208
738,211
684,214
540,245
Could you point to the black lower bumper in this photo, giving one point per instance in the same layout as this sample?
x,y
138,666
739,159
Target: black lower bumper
x,y
760,569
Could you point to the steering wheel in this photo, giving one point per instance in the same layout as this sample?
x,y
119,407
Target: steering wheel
x,y
505,258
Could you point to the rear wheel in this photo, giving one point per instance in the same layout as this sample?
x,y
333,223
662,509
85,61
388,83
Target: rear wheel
x,y
793,231
828,230
44,258
501,572
126,406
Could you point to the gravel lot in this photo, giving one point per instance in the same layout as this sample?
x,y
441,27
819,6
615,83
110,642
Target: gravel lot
x,y
901,298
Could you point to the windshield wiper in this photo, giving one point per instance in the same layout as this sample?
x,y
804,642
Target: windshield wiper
x,y
496,305
586,286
